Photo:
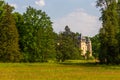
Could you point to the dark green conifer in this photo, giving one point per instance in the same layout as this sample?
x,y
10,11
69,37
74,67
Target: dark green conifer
x,y
9,47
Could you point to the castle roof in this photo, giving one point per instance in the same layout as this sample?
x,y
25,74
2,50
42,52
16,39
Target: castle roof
x,y
84,39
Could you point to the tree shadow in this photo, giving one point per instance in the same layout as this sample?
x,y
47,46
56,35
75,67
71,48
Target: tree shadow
x,y
86,64
92,64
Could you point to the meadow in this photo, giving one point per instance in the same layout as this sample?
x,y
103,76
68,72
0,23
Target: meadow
x,y
69,70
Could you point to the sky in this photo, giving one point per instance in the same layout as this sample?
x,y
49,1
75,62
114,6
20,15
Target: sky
x,y
81,16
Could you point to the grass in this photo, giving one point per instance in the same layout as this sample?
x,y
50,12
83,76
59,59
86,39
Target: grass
x,y
70,70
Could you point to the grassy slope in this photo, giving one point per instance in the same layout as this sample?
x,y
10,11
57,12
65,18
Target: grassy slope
x,y
64,71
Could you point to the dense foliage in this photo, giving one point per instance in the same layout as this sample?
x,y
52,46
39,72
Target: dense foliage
x,y
29,37
95,46
9,47
36,35
109,38
67,47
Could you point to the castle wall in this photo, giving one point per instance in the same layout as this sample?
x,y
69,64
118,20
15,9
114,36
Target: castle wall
x,y
85,45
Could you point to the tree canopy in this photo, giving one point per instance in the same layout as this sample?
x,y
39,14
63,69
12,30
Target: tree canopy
x,y
67,46
36,32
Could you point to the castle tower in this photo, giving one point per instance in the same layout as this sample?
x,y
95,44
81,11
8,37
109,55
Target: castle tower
x,y
85,45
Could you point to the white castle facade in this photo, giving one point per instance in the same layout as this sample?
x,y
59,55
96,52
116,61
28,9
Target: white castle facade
x,y
85,45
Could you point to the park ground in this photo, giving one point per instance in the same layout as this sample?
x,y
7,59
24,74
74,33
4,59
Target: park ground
x,y
69,70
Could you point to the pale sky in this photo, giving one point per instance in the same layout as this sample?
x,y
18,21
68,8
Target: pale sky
x,y
80,15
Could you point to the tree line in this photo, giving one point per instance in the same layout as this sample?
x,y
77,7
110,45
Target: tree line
x,y
29,37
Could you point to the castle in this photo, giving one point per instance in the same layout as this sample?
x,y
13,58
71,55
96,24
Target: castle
x,y
85,45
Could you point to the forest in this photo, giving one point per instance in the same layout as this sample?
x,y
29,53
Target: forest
x,y
29,37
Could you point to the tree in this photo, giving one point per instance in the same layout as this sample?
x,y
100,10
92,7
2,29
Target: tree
x,y
9,47
36,36
95,46
66,46
109,50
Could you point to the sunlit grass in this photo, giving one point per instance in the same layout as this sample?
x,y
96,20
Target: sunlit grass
x,y
70,70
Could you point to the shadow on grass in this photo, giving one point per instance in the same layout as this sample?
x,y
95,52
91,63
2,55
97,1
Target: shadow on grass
x,y
92,64
87,64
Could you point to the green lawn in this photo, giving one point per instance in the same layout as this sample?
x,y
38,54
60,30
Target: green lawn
x,y
54,71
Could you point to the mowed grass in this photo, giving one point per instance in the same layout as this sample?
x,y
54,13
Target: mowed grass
x,y
58,71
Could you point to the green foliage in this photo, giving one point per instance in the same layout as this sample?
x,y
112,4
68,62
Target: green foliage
x,y
109,49
66,46
87,55
95,45
9,47
1,9
36,35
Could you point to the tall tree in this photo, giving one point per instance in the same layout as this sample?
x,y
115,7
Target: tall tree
x,y
36,36
109,44
66,46
9,47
